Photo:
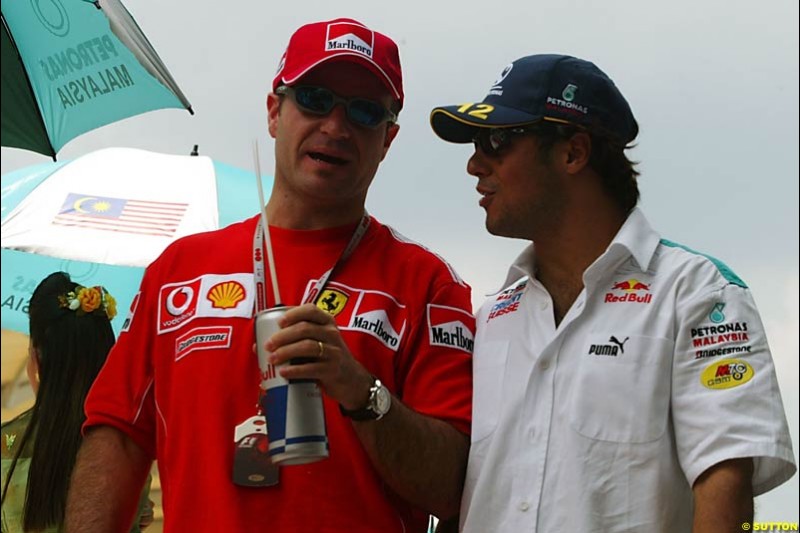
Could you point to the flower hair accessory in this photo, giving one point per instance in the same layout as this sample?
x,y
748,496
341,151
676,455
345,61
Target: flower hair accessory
x,y
84,300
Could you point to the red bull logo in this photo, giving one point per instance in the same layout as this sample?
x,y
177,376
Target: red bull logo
x,y
634,291
630,285
269,373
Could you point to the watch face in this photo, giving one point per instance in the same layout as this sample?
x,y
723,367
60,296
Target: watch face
x,y
383,400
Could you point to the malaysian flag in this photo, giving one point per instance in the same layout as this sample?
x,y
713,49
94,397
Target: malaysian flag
x,y
141,217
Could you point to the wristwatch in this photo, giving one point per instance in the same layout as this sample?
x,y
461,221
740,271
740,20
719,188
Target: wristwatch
x,y
378,404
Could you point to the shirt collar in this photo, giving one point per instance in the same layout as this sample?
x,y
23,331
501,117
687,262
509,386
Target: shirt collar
x,y
636,238
523,266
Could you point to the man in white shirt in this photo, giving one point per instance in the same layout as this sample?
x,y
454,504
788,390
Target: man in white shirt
x,y
622,382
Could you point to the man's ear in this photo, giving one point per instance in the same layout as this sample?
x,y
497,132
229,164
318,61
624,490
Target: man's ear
x,y
391,133
273,111
578,151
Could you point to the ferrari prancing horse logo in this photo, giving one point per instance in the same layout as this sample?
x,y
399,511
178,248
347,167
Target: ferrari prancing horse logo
x,y
332,301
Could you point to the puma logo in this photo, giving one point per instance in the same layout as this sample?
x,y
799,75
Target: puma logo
x,y
618,343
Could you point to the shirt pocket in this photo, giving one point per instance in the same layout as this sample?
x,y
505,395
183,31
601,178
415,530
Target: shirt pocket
x,y
488,369
621,392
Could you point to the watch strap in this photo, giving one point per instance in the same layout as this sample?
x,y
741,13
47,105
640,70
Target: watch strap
x,y
359,414
368,412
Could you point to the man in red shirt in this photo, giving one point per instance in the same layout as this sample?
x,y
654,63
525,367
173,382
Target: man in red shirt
x,y
389,341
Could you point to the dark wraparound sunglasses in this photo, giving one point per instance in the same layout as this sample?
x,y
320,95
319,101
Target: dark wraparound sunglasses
x,y
321,101
492,141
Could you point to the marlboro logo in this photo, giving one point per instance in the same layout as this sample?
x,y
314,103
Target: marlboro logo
x,y
378,324
451,327
372,312
380,315
351,37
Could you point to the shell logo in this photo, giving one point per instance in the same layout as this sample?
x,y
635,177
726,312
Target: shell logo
x,y
226,295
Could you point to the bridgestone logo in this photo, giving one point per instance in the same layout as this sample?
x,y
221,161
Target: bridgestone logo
x,y
699,354
202,338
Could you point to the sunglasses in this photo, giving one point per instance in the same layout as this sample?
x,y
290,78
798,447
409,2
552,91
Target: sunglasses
x,y
321,101
492,141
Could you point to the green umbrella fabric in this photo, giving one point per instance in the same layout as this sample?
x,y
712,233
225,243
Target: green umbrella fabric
x,y
70,66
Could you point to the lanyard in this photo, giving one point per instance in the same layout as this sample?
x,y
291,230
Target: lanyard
x,y
316,290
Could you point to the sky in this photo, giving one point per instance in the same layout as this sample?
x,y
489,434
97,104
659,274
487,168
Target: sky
x,y
713,85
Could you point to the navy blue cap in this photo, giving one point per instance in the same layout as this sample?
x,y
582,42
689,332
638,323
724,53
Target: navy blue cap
x,y
550,87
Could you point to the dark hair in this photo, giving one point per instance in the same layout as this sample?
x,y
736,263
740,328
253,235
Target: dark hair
x,y
608,159
71,348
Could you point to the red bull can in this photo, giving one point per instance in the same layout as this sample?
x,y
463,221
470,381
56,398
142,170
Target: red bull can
x,y
293,408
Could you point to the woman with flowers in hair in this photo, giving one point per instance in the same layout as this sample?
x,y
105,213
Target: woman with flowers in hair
x,y
70,337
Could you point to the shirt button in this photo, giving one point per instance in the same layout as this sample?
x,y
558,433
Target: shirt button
x,y
524,506
544,365
544,305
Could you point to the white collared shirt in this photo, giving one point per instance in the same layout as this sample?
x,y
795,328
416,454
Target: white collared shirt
x,y
659,370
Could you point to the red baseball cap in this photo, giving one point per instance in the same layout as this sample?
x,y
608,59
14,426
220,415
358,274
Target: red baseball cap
x,y
343,40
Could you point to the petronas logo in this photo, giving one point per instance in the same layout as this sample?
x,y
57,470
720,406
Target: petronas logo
x,y
716,316
569,91
53,17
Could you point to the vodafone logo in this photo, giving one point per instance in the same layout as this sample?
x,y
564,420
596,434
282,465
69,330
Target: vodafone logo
x,y
184,294
177,304
211,295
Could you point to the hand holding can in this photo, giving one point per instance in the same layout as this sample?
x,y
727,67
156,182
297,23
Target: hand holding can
x,y
293,408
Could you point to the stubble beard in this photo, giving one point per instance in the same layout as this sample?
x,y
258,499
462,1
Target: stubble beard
x,y
540,216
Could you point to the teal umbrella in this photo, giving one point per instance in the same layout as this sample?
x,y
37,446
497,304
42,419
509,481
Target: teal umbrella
x,y
104,216
70,66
